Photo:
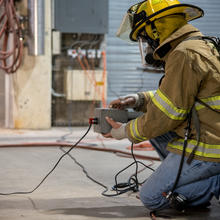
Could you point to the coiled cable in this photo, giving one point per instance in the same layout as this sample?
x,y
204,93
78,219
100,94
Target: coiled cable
x,y
11,49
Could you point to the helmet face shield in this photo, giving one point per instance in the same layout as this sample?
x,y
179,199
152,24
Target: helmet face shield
x,y
147,58
143,50
128,22
125,27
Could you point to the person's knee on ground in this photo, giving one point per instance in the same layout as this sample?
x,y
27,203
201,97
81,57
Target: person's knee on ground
x,y
151,200
197,193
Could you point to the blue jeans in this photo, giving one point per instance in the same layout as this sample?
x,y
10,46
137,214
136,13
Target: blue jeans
x,y
199,181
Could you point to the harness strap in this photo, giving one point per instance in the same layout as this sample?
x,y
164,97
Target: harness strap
x,y
196,123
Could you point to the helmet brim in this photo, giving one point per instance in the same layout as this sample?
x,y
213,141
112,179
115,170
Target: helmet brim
x,y
191,12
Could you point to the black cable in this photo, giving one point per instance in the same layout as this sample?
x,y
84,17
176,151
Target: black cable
x,y
128,186
187,133
89,177
120,188
83,169
136,163
54,167
132,184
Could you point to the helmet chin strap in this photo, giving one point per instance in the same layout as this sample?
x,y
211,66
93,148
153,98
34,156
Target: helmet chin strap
x,y
151,42
155,32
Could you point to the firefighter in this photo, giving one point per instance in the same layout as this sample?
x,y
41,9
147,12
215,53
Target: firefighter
x,y
191,83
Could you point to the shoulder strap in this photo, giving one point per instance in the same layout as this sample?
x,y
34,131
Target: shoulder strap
x,y
213,40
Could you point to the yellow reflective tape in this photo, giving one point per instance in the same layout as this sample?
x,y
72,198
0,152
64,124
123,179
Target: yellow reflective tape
x,y
164,110
181,111
151,93
215,98
132,132
215,107
199,107
201,144
208,102
198,153
167,107
137,132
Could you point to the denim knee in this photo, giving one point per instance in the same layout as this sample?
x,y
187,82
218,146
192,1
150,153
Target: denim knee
x,y
152,201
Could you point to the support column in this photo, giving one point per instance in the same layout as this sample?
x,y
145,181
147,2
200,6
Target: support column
x,y
32,85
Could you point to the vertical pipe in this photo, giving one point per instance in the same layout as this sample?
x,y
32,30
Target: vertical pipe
x,y
36,14
9,107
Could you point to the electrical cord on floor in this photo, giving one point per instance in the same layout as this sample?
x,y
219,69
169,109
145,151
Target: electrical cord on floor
x,y
83,169
119,188
54,167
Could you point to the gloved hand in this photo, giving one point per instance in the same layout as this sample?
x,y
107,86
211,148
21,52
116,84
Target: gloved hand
x,y
128,101
118,130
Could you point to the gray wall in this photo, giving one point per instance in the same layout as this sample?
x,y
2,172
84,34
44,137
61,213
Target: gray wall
x,y
123,58
81,16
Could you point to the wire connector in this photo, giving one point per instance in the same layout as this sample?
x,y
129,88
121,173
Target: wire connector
x,y
93,121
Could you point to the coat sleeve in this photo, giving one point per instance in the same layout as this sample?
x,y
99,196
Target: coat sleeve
x,y
145,99
172,101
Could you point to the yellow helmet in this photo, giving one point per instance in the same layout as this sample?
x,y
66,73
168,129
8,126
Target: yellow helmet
x,y
146,12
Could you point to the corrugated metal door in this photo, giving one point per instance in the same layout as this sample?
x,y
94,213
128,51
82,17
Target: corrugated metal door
x,y
123,59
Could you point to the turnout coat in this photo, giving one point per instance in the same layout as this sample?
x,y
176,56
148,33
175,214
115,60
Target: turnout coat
x,y
192,71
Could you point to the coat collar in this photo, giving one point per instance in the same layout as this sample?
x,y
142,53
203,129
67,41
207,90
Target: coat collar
x,y
163,50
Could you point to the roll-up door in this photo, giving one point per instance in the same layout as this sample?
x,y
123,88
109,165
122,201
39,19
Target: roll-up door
x,y
123,60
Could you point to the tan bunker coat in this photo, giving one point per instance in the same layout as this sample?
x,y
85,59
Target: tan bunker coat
x,y
192,70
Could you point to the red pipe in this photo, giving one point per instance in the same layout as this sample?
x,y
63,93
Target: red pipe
x,y
66,144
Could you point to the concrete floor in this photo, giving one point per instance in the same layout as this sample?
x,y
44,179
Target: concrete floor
x,y
68,193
